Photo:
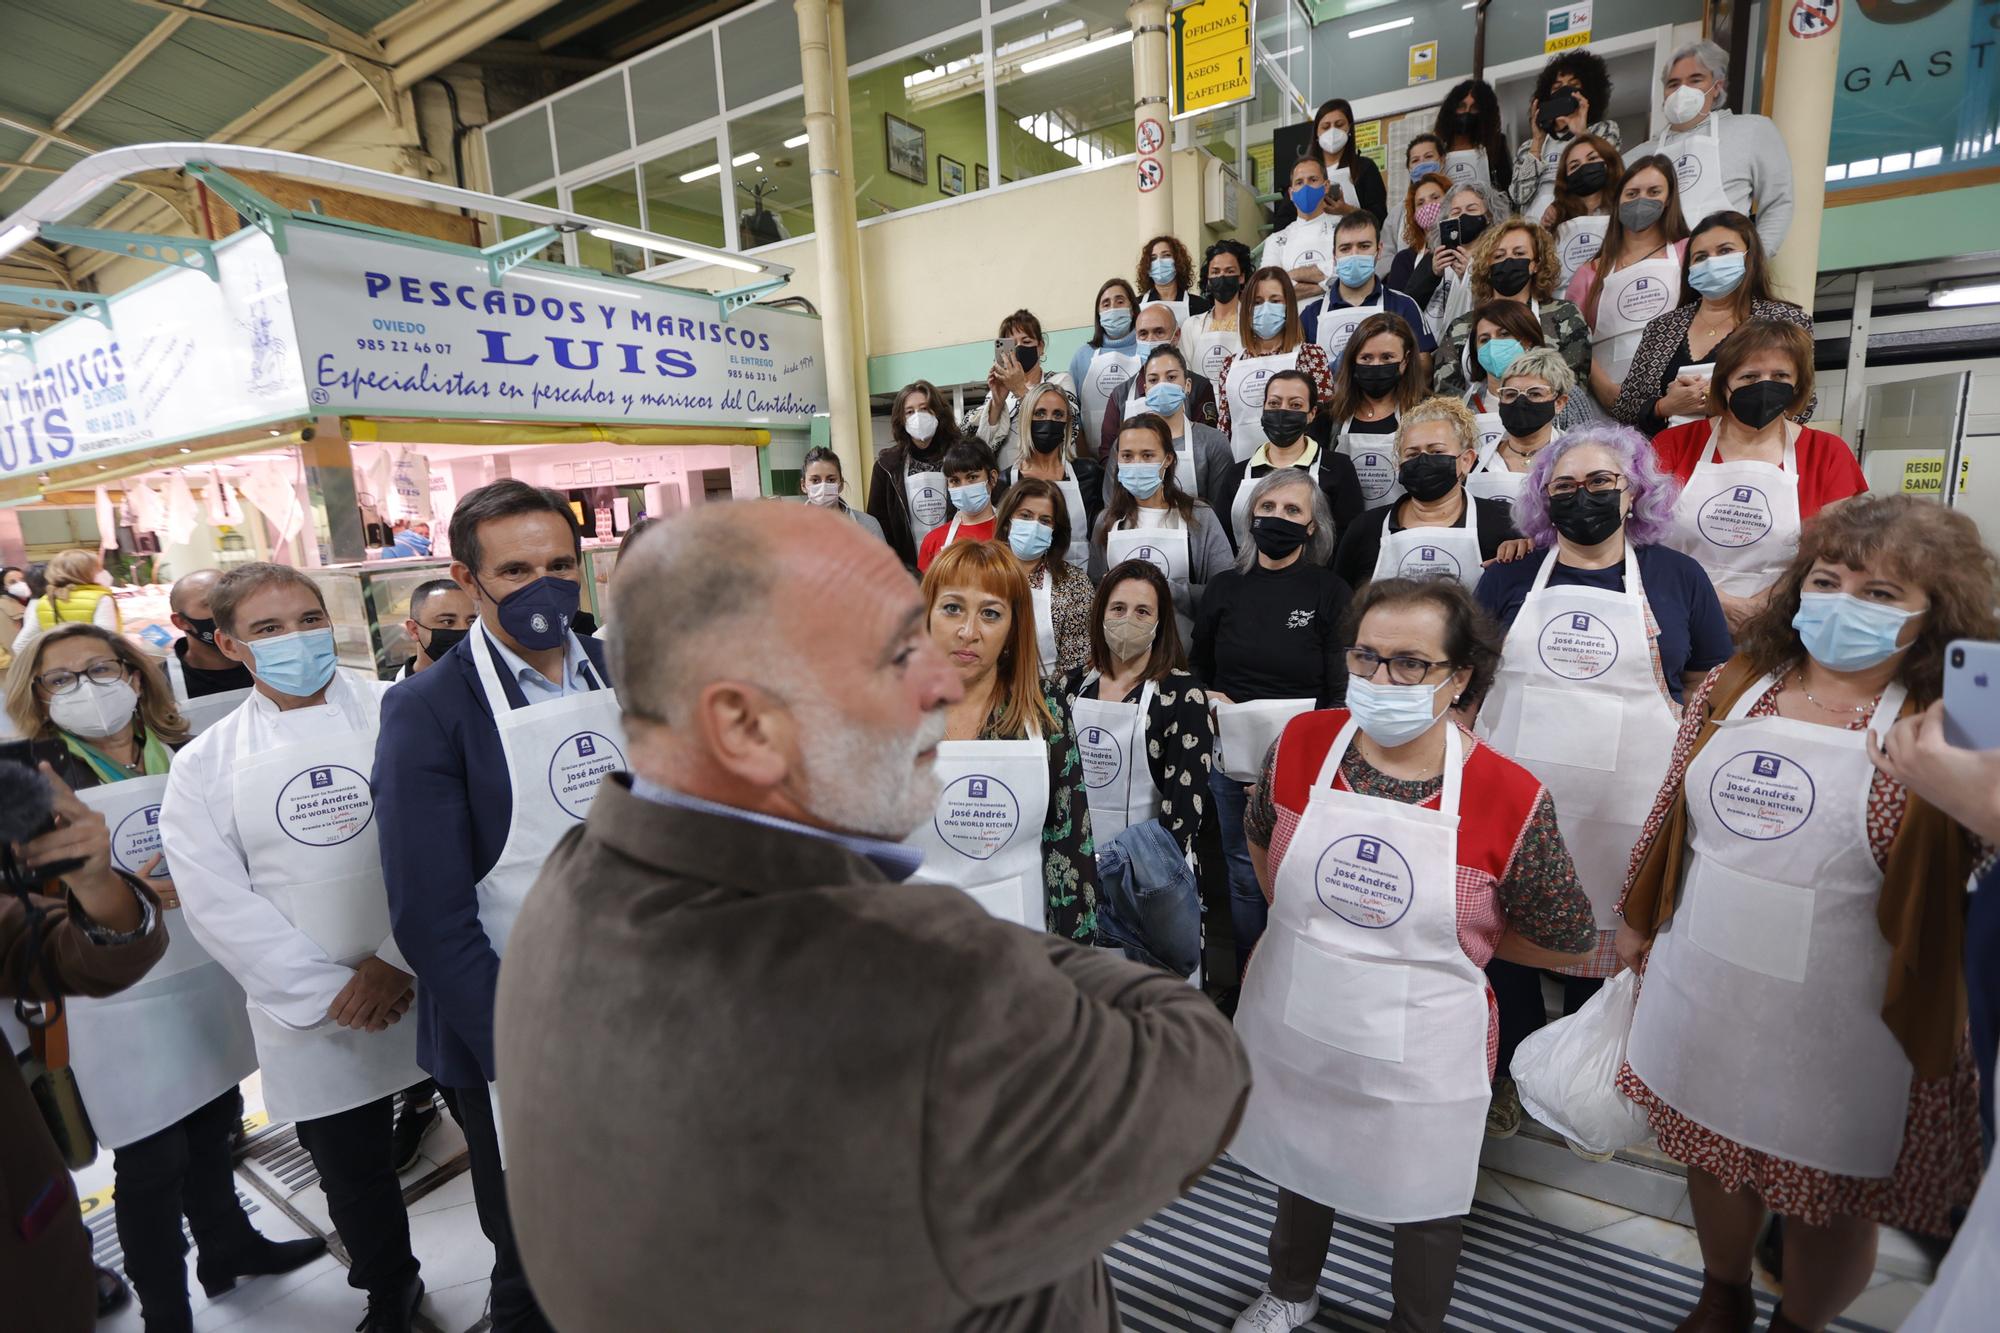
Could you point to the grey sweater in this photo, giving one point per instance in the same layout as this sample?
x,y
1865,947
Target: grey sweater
x,y
1756,170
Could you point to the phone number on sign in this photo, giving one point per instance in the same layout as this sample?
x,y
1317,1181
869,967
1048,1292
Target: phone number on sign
x,y
400,345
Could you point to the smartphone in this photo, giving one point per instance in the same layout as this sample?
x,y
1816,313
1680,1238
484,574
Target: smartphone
x,y
1461,231
1972,694
1003,353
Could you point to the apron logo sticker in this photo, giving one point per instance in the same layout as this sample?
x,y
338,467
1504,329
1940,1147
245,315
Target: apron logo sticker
x,y
1761,795
1103,758
580,763
1643,299
1688,167
324,807
1740,516
1376,473
1364,881
136,841
1577,646
1427,560
977,816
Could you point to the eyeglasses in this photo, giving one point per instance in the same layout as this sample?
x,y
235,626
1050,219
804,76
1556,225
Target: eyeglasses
x,y
1403,670
1597,483
1531,395
56,683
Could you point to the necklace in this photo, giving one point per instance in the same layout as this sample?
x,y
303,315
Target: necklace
x,y
1507,443
1854,710
1715,329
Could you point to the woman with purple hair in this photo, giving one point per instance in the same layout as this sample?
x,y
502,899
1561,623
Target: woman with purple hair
x,y
1606,628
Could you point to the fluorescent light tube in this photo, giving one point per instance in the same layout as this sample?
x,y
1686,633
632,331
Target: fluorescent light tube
x,y
742,159
1105,43
798,141
1374,28
646,242
14,238
1979,293
702,173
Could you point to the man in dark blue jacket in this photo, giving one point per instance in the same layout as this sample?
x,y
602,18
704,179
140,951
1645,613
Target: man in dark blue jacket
x,y
484,761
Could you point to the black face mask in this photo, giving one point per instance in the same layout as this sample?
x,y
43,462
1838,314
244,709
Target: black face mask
x,y
1026,356
201,629
1378,381
1278,537
1758,405
1587,519
1588,178
1508,276
1224,289
442,641
1468,125
1282,427
1429,477
1523,417
1047,436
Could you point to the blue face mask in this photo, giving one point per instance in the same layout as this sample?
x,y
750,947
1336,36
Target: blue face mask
x,y
1355,270
1117,323
1392,715
1306,198
1423,169
1161,270
971,499
1166,399
1143,480
1498,354
1029,537
1268,319
537,615
1718,275
299,664
1844,633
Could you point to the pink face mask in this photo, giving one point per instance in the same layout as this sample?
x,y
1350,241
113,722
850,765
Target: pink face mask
x,y
1427,214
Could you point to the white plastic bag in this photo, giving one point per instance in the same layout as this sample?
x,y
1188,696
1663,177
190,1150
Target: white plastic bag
x,y
1567,1073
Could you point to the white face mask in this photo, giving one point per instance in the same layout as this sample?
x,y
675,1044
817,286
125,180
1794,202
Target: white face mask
x,y
921,426
94,710
1334,142
1683,104
18,589
823,492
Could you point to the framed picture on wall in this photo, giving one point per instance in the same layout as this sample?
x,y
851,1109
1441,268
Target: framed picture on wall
x,y
981,180
906,147
951,175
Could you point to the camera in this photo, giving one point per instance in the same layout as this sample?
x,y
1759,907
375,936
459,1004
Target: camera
x,y
1958,657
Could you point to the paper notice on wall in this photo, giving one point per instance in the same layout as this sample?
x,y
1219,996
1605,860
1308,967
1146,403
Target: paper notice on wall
x,y
410,487
1925,476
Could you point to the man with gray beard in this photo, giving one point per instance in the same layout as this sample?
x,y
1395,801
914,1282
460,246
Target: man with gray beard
x,y
824,1099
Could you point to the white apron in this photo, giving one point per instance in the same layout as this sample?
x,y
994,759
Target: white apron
x,y
557,753
1078,553
312,853
1697,158
1416,553
1044,600
1338,323
928,498
1492,479
1103,382
1631,298
1577,243
1364,1020
1777,921
1739,520
1186,475
1208,348
1374,459
176,1039
1248,376
1467,166
1304,243
1117,775
205,712
986,835
1167,547
1580,702
1244,732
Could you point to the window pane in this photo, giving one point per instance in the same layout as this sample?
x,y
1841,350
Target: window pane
x,y
684,195
919,128
590,124
773,188
1064,101
615,199
675,88
878,26
518,152
760,54
512,227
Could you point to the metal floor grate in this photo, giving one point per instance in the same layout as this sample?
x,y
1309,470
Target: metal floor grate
x,y
108,1252
1194,1266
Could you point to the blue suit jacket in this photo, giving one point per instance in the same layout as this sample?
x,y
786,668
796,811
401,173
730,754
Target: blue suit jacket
x,y
442,796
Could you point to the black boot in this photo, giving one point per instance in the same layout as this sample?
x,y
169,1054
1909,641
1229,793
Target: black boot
x,y
393,1309
164,1317
264,1258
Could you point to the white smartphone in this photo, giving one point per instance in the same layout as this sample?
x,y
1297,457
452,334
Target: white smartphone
x,y
1972,694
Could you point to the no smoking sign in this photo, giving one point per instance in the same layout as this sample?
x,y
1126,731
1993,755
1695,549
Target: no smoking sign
x,y
1151,135
1151,173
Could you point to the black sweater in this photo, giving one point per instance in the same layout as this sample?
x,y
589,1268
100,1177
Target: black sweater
x,y
1274,634
1361,542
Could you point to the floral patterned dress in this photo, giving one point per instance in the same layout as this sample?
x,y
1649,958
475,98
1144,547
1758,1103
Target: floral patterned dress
x,y
1180,741
1069,859
1938,1169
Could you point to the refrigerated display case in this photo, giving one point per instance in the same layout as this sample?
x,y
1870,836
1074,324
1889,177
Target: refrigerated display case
x,y
369,603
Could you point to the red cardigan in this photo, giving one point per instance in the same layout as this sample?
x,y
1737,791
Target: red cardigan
x,y
1827,470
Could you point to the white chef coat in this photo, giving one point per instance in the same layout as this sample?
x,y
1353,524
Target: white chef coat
x,y
281,969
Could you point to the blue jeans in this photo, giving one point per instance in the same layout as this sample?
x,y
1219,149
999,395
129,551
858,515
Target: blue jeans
x,y
1247,909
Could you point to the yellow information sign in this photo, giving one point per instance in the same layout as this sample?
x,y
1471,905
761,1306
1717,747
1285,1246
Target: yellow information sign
x,y
1925,476
1568,27
1424,62
1212,56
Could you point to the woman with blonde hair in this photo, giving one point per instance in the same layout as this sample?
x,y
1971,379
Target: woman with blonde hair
x,y
159,1063
1013,820
1515,261
79,593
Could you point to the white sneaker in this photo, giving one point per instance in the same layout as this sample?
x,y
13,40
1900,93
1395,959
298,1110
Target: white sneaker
x,y
1268,1314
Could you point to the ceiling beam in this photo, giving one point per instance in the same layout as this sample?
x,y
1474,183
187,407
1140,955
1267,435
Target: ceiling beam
x,y
584,22
41,129
362,55
673,27
335,31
